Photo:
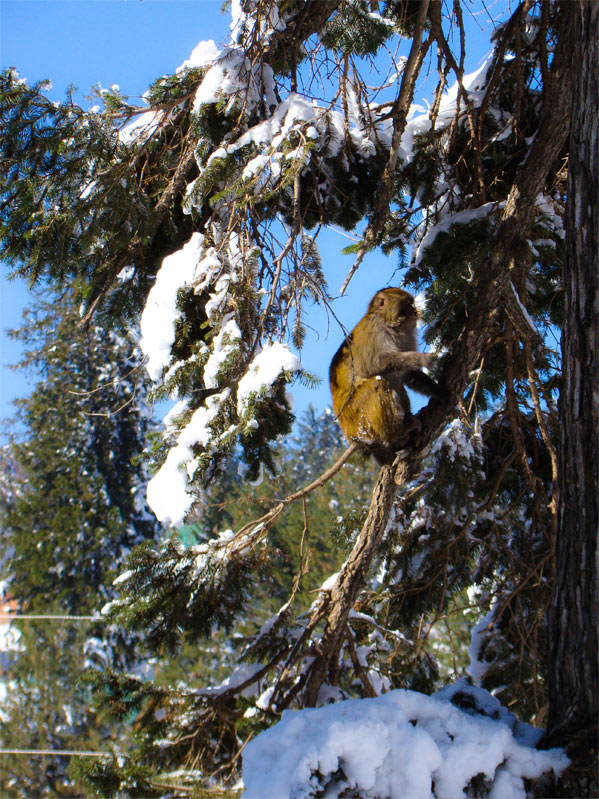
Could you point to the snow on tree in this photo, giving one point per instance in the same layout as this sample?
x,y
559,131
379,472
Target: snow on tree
x,y
200,213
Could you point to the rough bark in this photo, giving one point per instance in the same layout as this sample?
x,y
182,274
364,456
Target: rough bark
x,y
574,615
351,580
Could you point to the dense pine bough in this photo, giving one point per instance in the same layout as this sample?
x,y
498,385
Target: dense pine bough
x,y
200,214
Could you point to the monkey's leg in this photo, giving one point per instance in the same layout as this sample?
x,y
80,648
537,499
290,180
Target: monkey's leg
x,y
374,417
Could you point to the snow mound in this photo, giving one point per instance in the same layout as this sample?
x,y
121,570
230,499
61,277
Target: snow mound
x,y
400,745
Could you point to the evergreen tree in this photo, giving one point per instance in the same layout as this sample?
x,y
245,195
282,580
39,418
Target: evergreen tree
x,y
74,512
214,194
83,507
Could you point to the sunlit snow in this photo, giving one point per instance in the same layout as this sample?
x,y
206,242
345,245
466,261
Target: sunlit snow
x,y
160,313
204,53
169,492
400,745
266,367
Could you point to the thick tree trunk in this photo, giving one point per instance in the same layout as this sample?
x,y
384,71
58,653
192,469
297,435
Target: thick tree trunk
x,y
573,671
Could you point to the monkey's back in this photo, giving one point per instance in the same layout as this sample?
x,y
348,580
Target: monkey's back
x,y
367,408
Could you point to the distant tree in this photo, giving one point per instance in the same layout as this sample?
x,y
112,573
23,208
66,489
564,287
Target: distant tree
x,y
11,483
82,506
316,524
203,208
76,508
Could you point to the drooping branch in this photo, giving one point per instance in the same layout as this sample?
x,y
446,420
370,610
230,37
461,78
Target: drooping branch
x,y
309,19
136,252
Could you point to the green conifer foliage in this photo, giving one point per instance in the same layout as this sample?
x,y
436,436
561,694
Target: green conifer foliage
x,y
82,507
76,511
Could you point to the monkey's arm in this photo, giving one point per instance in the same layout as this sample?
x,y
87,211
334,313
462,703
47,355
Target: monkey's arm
x,y
423,384
401,361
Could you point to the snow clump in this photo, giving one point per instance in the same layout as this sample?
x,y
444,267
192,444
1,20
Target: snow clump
x,y
263,371
160,313
169,491
402,744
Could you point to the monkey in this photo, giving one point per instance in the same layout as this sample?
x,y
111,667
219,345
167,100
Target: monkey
x,y
370,371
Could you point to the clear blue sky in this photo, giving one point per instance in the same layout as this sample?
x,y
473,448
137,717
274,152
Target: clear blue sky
x,y
132,42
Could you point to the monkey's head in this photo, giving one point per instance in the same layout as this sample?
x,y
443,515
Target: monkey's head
x,y
395,306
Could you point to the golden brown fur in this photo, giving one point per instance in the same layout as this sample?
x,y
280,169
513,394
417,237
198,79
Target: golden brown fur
x,y
370,370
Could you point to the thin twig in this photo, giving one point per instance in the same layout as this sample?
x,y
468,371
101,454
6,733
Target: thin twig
x,y
265,521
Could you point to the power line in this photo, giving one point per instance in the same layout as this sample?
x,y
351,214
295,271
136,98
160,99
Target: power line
x,y
7,617
52,752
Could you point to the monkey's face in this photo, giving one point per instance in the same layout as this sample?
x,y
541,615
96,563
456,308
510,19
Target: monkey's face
x,y
395,306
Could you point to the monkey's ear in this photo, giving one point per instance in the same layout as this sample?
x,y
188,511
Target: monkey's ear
x,y
380,300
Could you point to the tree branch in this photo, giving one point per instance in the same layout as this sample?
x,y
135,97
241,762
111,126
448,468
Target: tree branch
x,y
509,241
350,581
399,114
257,528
